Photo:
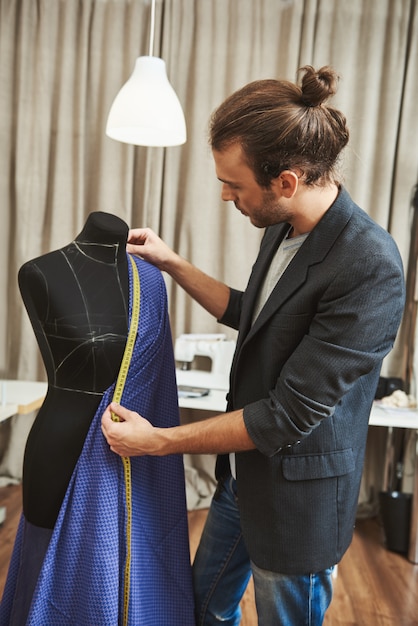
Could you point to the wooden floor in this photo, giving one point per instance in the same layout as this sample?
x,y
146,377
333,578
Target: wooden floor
x,y
374,587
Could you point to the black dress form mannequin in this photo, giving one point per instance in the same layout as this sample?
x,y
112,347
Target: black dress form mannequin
x,y
77,300
69,559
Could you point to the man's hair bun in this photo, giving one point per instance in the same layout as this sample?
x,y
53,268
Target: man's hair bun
x,y
317,86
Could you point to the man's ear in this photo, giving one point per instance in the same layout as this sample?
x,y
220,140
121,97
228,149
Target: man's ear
x,y
286,183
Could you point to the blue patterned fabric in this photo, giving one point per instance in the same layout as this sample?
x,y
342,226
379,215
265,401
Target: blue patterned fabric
x,y
81,581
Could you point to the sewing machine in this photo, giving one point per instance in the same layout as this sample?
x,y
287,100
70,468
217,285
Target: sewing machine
x,y
216,348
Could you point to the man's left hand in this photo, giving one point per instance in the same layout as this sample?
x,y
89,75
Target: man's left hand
x,y
133,435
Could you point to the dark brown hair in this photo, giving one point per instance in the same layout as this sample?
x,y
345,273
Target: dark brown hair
x,y
281,125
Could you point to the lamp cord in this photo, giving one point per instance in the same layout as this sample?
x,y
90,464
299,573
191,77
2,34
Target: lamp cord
x,y
152,29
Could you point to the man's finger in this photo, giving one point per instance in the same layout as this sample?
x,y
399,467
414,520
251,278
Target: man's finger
x,y
120,411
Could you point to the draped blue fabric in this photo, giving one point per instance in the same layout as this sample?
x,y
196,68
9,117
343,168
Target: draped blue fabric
x,y
81,581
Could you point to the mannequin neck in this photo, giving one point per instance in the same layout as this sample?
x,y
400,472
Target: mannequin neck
x,y
103,238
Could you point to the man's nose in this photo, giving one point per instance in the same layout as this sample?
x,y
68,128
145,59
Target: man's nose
x,y
227,194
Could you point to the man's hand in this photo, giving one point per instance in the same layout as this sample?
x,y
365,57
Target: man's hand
x,y
146,244
132,436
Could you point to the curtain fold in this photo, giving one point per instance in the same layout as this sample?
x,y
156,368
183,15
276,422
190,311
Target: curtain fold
x,y
62,63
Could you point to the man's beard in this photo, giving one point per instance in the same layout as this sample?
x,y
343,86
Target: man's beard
x,y
270,212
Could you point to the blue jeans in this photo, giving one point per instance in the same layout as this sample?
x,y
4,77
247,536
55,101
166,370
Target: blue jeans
x,y
222,569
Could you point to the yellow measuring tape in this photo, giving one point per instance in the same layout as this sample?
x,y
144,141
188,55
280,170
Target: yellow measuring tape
x,y
117,396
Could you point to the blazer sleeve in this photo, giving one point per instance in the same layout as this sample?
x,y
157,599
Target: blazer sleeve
x,y
232,315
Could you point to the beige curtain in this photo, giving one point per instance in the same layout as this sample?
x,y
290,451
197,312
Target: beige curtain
x,y
63,61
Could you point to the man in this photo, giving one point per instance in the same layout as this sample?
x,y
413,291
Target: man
x,y
320,312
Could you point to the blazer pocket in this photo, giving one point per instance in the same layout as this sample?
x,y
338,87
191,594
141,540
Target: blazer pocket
x,y
315,466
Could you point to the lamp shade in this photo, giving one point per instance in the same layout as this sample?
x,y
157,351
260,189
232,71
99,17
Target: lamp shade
x,y
146,111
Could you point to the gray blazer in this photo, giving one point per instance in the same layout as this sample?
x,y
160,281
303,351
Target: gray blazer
x,y
305,374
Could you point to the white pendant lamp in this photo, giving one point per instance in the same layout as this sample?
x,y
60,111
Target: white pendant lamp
x,y
147,111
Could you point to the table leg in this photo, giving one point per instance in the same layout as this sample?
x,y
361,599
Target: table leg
x,y
389,467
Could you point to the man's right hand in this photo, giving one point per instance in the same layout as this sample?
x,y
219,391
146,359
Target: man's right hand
x,y
145,243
